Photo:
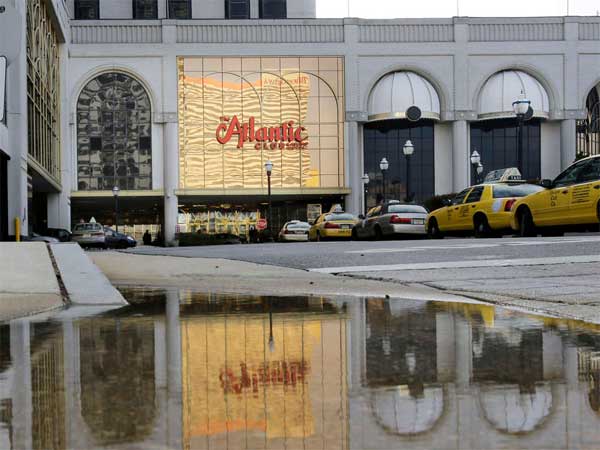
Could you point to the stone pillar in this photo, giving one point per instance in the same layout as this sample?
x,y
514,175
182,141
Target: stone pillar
x,y
171,180
460,155
20,354
174,374
354,168
568,139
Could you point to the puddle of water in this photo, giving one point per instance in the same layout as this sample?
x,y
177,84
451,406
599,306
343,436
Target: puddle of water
x,y
188,370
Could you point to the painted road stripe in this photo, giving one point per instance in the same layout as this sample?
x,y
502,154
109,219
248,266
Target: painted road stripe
x,y
469,246
463,264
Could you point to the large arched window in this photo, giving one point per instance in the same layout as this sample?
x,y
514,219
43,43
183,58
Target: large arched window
x,y
114,134
588,129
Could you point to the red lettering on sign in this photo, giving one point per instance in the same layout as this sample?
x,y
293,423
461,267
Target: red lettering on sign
x,y
271,137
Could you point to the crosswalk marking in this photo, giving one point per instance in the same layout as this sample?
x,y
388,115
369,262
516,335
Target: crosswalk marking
x,y
463,264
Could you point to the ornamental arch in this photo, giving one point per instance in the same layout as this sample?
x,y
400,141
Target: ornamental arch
x,y
114,133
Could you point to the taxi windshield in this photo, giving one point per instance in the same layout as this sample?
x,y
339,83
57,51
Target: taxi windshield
x,y
340,216
519,190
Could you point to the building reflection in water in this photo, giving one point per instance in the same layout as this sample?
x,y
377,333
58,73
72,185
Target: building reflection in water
x,y
197,371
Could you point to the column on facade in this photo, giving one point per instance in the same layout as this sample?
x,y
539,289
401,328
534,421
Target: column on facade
x,y
568,140
174,371
171,180
355,199
460,152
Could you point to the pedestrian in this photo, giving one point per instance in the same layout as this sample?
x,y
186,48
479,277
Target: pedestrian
x,y
147,238
253,235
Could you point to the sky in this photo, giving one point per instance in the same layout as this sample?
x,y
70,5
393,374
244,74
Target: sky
x,y
389,9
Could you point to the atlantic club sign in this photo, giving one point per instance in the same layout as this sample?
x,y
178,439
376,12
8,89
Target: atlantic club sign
x,y
287,136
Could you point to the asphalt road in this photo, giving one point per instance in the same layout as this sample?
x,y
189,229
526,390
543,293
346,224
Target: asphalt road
x,y
352,256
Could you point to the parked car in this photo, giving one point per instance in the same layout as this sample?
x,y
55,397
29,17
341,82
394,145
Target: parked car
x,y
35,237
59,233
569,202
89,234
114,239
391,218
483,210
294,230
332,225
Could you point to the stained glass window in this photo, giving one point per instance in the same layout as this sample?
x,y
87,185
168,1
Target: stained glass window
x,y
114,140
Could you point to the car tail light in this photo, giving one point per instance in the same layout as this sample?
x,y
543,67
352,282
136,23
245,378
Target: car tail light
x,y
396,219
331,225
509,204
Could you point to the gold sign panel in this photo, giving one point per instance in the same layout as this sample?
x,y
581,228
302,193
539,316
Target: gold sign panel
x,y
237,113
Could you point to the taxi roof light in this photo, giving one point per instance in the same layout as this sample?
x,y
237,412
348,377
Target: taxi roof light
x,y
503,175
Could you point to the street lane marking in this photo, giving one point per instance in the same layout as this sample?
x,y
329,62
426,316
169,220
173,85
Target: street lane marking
x,y
469,246
463,264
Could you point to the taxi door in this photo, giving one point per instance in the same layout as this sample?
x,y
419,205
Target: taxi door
x,y
466,212
449,220
552,207
585,193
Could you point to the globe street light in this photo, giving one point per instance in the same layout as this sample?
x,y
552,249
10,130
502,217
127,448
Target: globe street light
x,y
383,165
408,150
115,191
479,172
269,170
365,179
520,107
475,162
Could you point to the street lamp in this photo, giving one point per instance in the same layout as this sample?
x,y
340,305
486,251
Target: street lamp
x,y
520,107
475,162
269,170
408,150
479,172
115,191
365,179
383,165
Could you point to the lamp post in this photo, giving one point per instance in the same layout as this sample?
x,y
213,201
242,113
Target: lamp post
x,y
479,172
383,165
520,107
115,191
408,150
475,162
365,179
269,170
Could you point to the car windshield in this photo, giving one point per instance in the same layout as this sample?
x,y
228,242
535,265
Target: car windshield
x,y
407,209
340,216
86,227
519,190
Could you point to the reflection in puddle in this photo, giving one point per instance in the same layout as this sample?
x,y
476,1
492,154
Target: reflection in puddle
x,y
197,371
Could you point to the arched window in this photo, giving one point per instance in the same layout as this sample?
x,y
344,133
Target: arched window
x,y
588,129
114,134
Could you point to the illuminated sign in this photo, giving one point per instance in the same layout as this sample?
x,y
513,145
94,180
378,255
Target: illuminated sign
x,y
286,136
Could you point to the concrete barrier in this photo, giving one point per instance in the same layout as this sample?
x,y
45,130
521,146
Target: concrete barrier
x,y
28,283
84,282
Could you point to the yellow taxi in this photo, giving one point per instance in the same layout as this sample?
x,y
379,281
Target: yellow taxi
x,y
483,210
570,201
336,224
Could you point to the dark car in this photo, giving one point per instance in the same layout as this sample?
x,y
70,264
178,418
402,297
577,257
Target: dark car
x,y
59,233
118,240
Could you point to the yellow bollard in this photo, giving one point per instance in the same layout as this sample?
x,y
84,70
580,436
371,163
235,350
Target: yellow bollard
x,y
17,229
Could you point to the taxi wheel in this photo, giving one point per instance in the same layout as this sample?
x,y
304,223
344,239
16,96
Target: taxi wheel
x,y
598,211
482,227
378,234
318,238
434,231
527,227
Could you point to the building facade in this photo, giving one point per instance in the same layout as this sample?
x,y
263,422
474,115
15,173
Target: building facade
x,y
180,104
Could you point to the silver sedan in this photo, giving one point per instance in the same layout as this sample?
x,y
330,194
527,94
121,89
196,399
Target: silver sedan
x,y
391,218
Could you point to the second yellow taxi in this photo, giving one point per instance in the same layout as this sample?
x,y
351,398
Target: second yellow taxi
x,y
483,210
332,225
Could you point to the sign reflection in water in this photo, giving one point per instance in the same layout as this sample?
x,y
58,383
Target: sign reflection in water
x,y
200,373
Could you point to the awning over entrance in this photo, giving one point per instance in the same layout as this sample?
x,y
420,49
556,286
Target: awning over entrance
x,y
396,92
503,88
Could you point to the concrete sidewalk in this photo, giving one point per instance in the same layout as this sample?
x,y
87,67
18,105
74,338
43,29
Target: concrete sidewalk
x,y
28,283
229,276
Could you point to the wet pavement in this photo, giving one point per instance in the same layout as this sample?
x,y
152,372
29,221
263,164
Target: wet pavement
x,y
186,370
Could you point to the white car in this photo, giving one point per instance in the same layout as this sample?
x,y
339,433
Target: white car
x,y
392,218
294,231
89,234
